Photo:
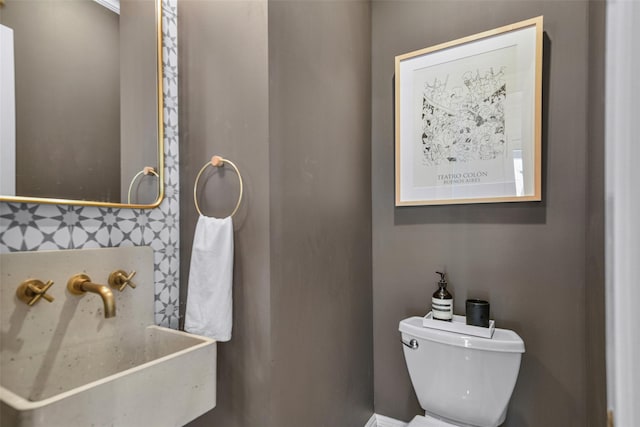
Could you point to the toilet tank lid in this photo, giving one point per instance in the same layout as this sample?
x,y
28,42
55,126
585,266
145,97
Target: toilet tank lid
x,y
502,340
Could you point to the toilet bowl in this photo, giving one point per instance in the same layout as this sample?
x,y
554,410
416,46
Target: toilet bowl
x,y
460,380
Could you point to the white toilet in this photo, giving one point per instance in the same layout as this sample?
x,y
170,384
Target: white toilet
x,y
460,380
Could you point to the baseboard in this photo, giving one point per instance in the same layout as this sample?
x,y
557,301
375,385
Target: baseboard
x,y
372,422
377,420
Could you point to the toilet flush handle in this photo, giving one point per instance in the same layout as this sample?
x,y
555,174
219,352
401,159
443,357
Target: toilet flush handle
x,y
413,344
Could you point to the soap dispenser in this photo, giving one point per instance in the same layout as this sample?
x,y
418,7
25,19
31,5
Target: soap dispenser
x,y
442,301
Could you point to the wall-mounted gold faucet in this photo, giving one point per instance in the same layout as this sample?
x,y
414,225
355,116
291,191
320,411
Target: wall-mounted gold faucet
x,y
81,283
30,291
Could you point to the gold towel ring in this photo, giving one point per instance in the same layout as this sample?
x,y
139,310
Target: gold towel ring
x,y
218,162
147,170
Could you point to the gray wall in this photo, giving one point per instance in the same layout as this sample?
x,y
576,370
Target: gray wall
x,y
282,89
67,74
528,259
223,96
595,291
319,118
290,113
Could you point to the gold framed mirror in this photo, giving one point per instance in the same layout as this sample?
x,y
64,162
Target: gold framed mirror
x,y
87,102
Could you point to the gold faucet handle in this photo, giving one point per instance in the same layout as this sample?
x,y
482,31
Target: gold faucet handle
x,y
120,279
30,291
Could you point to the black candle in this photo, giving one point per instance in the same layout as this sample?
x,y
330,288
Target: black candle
x,y
477,312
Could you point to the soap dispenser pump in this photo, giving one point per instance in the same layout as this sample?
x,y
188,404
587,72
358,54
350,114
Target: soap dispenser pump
x,y
442,301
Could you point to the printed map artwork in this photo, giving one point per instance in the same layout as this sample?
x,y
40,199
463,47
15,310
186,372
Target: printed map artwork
x,y
464,122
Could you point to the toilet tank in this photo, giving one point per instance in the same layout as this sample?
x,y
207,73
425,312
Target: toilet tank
x,y
462,378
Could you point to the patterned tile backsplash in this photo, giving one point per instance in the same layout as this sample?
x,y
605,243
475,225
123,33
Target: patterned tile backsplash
x,y
33,227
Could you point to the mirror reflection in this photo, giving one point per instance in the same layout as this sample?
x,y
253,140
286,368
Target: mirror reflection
x,y
80,100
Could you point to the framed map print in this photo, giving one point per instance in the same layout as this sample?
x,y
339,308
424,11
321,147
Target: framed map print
x,y
468,119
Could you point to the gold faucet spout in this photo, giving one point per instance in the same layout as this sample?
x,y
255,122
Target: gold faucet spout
x,y
106,295
81,283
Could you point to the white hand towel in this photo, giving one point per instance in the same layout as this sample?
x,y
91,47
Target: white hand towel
x,y
209,300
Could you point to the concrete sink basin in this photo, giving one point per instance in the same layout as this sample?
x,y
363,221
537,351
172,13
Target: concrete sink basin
x,y
134,381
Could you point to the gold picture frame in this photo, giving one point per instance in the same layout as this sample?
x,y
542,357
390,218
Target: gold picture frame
x,y
468,119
